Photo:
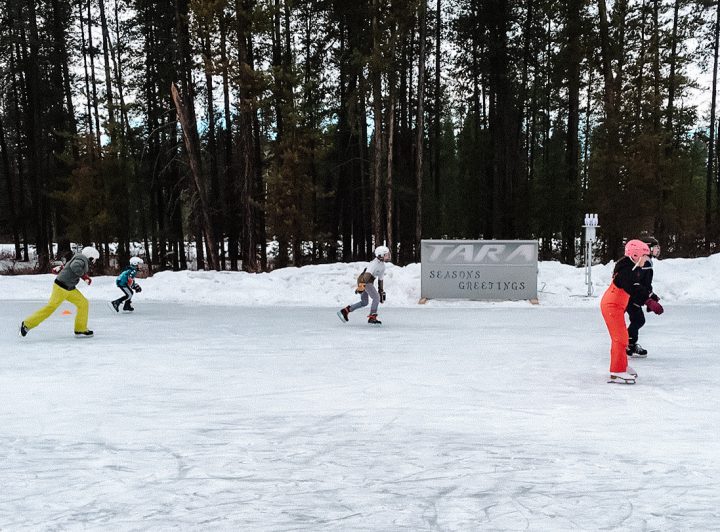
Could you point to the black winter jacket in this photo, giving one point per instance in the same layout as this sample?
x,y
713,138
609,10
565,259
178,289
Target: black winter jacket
x,y
633,280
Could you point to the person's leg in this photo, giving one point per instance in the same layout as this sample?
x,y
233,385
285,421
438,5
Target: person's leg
x,y
76,298
57,296
373,293
127,294
614,317
363,300
637,320
127,298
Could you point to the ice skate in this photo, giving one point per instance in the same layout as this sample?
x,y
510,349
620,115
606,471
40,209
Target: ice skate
x,y
636,351
621,378
631,371
81,334
343,314
128,307
115,305
372,318
23,329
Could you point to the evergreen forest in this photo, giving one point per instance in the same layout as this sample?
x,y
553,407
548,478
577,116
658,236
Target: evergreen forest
x,y
257,134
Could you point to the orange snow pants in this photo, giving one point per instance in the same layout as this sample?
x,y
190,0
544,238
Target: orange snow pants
x,y
613,305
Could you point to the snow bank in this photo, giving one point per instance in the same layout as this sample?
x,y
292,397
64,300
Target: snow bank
x,y
680,281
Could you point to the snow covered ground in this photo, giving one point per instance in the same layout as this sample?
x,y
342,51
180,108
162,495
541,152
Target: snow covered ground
x,y
231,401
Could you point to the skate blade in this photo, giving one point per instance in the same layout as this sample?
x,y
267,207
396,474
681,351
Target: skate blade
x,y
621,381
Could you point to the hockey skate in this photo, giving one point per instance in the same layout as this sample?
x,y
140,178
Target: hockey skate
x,y
372,318
23,329
636,351
128,307
81,334
343,314
115,305
621,378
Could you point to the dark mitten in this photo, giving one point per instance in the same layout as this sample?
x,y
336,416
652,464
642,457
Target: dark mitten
x,y
137,288
382,297
654,306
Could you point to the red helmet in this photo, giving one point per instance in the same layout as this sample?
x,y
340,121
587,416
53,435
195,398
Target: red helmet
x,y
636,249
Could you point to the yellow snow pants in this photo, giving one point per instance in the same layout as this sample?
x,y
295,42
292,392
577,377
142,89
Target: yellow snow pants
x,y
56,298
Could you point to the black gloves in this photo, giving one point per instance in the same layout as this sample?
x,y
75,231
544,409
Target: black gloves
x,y
137,288
382,296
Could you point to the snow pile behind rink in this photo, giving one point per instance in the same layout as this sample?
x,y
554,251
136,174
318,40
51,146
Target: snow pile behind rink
x,y
677,281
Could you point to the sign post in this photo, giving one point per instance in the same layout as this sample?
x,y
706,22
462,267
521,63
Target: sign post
x,y
591,225
499,270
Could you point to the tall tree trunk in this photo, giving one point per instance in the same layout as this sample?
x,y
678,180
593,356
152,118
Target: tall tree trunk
x,y
672,78
660,213
438,101
229,207
192,143
420,129
389,229
613,148
9,188
211,134
572,147
711,141
376,75
89,129
33,133
93,79
246,148
65,118
108,77
23,221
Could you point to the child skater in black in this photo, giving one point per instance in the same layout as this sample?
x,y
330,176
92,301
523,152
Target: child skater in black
x,y
635,310
126,282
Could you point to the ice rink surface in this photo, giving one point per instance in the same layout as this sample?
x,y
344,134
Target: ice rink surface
x,y
198,417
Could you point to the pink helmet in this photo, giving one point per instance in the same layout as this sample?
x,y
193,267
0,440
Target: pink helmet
x,y
636,249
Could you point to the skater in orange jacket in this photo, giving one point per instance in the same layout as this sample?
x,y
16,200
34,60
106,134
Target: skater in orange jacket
x,y
624,288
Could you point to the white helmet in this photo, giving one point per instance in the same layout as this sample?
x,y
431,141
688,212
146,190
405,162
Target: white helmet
x,y
90,252
382,252
135,261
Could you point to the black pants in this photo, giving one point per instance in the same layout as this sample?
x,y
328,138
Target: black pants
x,y
128,295
637,320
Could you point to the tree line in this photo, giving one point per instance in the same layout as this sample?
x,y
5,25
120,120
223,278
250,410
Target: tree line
x,y
329,127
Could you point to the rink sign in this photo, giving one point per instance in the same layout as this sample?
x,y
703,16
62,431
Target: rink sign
x,y
479,269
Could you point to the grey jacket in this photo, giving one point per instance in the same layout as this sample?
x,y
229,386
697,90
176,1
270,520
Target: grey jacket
x,y
74,269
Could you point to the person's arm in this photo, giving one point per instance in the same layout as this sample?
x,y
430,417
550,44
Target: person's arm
x,y
79,267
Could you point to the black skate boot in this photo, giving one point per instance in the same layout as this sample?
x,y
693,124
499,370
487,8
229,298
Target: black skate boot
x,y
127,306
636,351
372,318
80,334
115,305
23,329
343,314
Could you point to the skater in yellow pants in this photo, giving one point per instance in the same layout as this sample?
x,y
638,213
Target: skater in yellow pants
x,y
65,289
56,298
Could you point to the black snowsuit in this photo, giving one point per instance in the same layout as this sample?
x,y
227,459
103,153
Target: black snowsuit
x,y
642,280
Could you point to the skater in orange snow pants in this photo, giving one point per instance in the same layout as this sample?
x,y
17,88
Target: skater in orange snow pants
x,y
613,305
626,287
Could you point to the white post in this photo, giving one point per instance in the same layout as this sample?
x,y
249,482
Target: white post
x,y
591,225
